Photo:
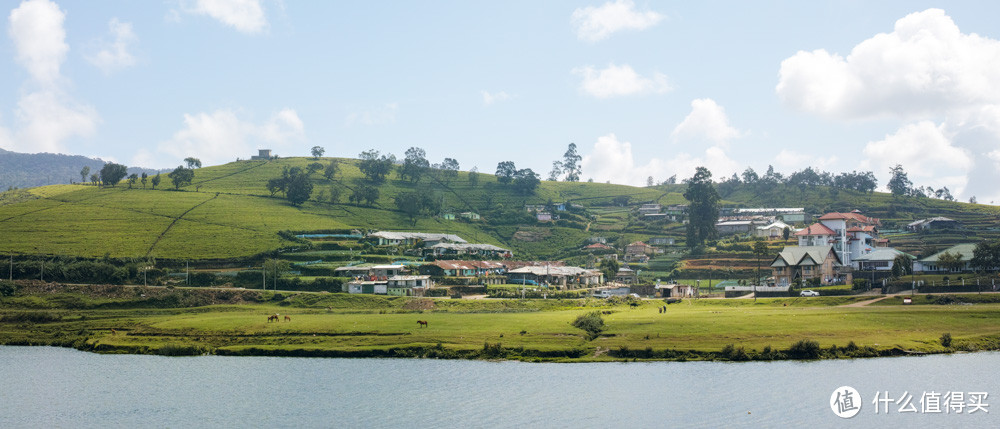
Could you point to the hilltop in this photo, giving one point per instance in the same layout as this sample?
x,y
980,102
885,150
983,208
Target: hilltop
x,y
228,213
25,170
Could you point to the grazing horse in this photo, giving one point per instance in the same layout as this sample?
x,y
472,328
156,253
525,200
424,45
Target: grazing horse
x,y
114,332
272,318
423,323
288,318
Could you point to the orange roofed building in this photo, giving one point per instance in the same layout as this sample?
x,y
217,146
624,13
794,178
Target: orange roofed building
x,y
851,234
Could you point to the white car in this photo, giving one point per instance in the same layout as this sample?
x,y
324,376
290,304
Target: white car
x,y
809,293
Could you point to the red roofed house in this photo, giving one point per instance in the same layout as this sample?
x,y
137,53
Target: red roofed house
x,y
851,234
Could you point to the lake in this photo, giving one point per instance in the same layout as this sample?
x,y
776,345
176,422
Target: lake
x,y
55,387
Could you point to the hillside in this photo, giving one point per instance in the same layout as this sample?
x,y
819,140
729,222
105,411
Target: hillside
x,y
26,170
228,213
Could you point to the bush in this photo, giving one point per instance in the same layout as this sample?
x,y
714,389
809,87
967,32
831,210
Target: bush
x,y
946,339
7,288
804,349
591,322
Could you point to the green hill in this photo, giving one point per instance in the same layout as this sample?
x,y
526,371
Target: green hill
x,y
228,213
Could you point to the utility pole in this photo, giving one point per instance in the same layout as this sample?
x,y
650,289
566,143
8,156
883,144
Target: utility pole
x,y
187,273
11,272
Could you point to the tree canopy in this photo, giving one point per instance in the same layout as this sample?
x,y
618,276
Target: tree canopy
x,y
113,173
181,176
413,204
414,165
526,181
317,151
571,164
192,162
506,171
375,166
703,211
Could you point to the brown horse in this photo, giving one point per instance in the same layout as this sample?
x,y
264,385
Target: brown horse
x,y
272,318
288,318
422,323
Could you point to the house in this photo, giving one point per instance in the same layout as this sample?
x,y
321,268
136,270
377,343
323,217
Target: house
x,y
369,272
639,248
790,215
933,263
773,231
934,223
408,285
543,216
851,234
393,238
731,227
368,287
470,215
610,292
597,239
677,212
448,216
807,262
880,259
262,154
562,276
454,268
674,290
626,275
598,247
661,241
482,250
647,209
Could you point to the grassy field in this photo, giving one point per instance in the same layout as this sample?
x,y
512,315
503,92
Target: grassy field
x,y
180,321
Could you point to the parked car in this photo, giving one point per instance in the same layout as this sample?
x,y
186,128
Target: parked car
x,y
809,293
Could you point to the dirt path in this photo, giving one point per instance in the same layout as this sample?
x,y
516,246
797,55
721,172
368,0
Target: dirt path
x,y
863,303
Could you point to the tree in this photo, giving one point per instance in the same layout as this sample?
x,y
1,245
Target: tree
x,y
364,193
650,182
192,162
986,256
899,184
526,181
610,269
473,177
331,170
155,181
145,177
334,197
112,173
703,211
571,164
375,167
314,167
760,251
84,172
672,180
785,233
449,168
972,200
298,187
414,164
556,171
749,176
132,178
505,172
317,151
181,176
414,204
950,261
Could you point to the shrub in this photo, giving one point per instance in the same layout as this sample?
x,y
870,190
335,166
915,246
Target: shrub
x,y
946,339
804,349
7,288
591,322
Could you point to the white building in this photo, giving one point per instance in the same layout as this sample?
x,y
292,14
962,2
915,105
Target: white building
x,y
851,234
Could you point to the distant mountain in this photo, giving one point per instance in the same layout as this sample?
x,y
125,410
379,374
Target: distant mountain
x,y
27,170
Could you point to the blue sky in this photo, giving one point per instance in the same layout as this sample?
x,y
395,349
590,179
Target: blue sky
x,y
643,88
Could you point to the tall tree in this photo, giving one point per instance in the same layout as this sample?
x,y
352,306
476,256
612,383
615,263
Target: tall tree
x,y
298,187
449,169
900,185
376,167
609,267
414,164
950,261
132,178
181,176
556,171
474,177
112,173
84,172
526,181
703,211
192,162
413,204
144,178
986,256
155,181
364,194
571,164
506,171
95,179
317,151
331,170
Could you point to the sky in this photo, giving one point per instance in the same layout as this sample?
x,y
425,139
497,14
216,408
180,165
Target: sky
x,y
644,89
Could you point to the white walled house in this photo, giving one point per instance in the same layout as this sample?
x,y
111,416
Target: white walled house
x,y
851,234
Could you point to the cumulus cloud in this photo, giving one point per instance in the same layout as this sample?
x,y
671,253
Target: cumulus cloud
x,y
489,98
246,16
612,160
115,55
707,121
46,115
597,23
382,116
222,136
925,66
924,150
615,81
793,161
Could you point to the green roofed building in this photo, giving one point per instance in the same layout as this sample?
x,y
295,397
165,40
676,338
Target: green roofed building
x,y
808,262
935,264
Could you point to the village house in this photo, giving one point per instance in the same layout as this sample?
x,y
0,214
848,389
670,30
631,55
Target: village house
x,y
480,250
377,287
677,212
393,238
739,226
807,262
934,223
408,285
454,268
934,264
674,290
470,215
851,234
626,275
369,271
661,241
558,276
598,247
789,215
773,231
262,154
880,259
647,209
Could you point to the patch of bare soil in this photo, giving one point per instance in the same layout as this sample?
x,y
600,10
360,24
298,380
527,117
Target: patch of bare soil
x,y
419,304
531,235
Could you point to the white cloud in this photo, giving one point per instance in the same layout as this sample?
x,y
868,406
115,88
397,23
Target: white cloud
x,y
612,160
384,115
795,161
115,55
926,153
246,16
622,80
925,66
46,115
222,136
598,23
707,121
489,98
36,27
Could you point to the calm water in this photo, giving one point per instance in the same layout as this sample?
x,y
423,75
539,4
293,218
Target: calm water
x,y
53,387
